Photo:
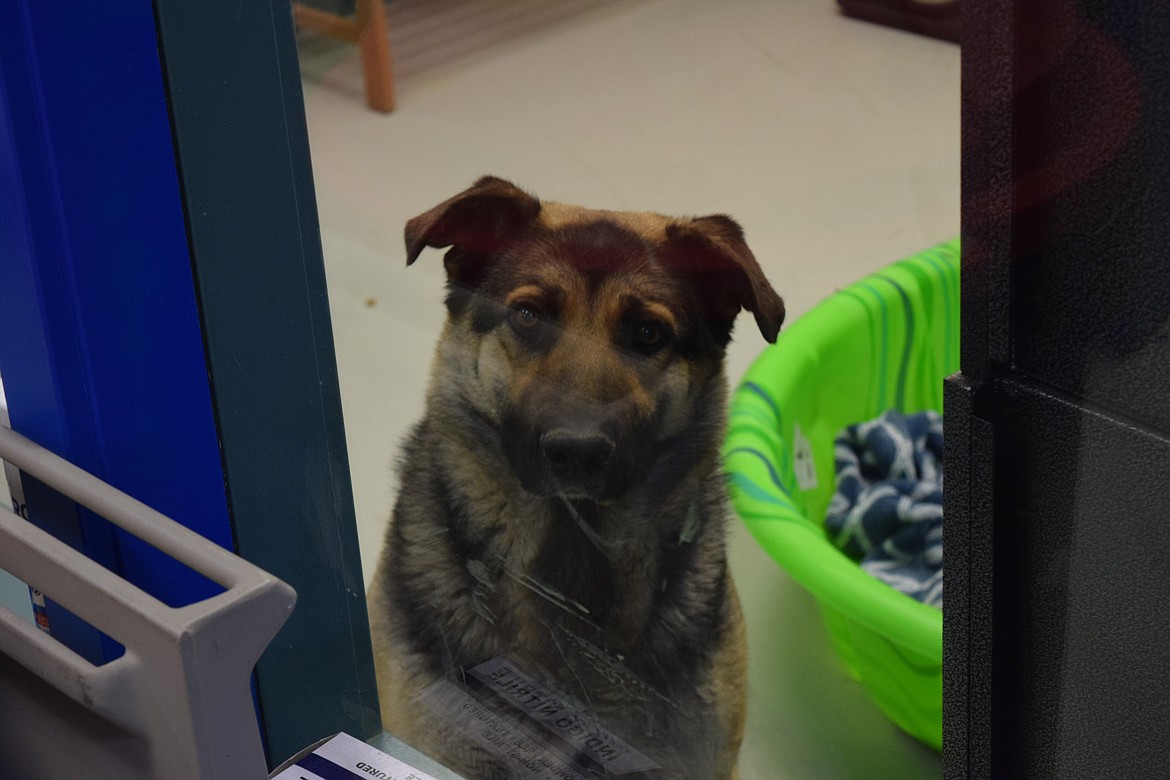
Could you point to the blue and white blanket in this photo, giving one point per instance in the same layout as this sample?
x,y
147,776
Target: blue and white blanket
x,y
887,509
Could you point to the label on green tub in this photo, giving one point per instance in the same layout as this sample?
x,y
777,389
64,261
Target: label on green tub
x,y
802,460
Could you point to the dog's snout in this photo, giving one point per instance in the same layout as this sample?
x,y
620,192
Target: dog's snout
x,y
576,458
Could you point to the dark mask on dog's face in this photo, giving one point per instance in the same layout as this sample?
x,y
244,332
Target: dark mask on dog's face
x,y
609,326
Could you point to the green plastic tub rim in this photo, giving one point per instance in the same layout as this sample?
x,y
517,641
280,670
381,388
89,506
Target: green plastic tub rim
x,y
885,342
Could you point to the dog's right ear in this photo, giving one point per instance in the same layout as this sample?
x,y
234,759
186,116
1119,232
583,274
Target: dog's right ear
x,y
476,224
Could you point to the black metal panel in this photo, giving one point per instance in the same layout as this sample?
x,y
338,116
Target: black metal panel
x,y
967,622
957,509
1081,629
242,148
1091,235
987,186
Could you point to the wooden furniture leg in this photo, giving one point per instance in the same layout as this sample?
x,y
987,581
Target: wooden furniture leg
x,y
367,28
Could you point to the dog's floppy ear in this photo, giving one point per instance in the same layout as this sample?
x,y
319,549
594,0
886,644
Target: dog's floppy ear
x,y
712,252
476,223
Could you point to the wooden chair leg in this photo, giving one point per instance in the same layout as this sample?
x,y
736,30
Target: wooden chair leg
x,y
369,29
374,44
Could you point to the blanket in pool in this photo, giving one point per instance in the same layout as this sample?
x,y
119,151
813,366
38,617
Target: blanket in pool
x,y
887,510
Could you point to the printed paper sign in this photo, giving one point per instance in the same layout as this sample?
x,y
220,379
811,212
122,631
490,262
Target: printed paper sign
x,y
346,758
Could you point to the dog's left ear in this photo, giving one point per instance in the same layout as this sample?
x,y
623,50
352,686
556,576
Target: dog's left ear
x,y
476,224
712,252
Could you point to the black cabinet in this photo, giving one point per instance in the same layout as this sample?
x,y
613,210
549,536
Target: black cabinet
x,y
1057,630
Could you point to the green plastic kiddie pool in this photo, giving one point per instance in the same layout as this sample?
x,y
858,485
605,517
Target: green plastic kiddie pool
x,y
886,342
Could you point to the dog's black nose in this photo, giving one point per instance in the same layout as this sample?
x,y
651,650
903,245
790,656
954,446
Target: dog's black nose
x,y
574,458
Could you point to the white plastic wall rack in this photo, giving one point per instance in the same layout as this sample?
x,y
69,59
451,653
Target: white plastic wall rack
x,y
178,703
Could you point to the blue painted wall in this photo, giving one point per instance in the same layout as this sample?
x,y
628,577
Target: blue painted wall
x,y
100,334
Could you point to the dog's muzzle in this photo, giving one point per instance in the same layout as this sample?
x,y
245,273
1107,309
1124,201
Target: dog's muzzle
x,y
571,458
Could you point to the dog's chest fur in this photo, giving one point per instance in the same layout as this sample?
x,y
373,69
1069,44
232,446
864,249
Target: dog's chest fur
x,y
512,573
620,609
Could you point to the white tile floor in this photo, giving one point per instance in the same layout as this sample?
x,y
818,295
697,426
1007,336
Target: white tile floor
x,y
835,143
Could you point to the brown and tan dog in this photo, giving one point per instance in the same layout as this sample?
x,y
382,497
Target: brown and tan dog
x,y
553,599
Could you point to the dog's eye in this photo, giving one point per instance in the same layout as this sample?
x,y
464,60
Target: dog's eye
x,y
525,317
650,336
